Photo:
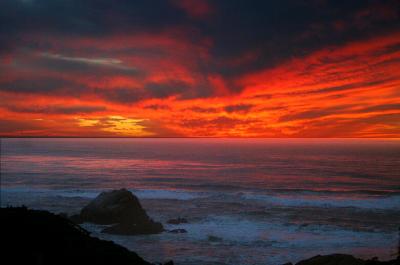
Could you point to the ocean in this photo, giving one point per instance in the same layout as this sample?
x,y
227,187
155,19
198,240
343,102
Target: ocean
x,y
248,201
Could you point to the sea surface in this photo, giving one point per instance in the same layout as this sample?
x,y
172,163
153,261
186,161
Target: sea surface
x,y
248,201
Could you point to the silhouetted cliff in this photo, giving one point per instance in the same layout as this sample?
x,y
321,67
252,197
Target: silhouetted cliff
x,y
40,237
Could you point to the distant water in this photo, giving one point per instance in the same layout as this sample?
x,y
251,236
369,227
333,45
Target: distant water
x,y
248,201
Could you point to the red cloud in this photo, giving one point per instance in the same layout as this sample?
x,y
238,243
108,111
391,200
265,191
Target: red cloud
x,y
154,85
198,9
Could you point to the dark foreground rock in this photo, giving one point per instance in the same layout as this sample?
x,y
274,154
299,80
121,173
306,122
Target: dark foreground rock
x,y
123,210
177,231
40,237
214,238
343,259
145,228
335,259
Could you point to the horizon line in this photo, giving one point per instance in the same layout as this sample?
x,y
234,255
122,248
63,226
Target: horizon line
x,y
194,137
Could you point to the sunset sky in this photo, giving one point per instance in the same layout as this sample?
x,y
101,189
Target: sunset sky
x,y
195,68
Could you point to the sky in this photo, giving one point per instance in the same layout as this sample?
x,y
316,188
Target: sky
x,y
193,68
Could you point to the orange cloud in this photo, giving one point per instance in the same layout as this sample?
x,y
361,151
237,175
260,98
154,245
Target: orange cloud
x,y
155,85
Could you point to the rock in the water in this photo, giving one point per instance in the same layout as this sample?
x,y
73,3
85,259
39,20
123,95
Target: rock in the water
x,y
134,229
344,259
123,210
112,207
177,231
334,259
177,221
214,239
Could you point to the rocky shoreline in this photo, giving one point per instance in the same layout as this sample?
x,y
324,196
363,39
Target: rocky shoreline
x,y
40,237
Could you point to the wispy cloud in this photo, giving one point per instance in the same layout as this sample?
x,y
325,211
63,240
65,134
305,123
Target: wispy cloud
x,y
108,62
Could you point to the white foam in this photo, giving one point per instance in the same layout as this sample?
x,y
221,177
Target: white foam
x,y
167,194
235,230
377,202
275,199
40,192
92,193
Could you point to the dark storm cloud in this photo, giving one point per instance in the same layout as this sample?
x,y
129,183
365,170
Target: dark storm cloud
x,y
382,108
57,109
178,88
151,90
343,88
245,36
45,86
121,95
13,126
282,29
389,49
75,18
157,107
356,85
203,110
219,122
273,29
163,90
238,108
94,17
340,109
316,113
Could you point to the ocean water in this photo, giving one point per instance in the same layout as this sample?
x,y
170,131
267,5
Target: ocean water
x,y
248,201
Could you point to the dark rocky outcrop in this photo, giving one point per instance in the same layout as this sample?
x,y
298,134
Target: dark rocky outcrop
x,y
122,210
214,238
334,259
40,237
177,221
344,259
177,231
145,228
